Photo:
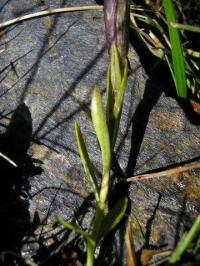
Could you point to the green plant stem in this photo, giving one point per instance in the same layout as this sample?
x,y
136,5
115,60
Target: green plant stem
x,y
90,253
97,223
100,213
91,247
104,191
185,27
101,206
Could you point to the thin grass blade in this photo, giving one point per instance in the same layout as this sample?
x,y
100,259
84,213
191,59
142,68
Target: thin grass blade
x,y
101,129
119,99
115,70
139,230
74,227
177,53
186,241
196,248
109,96
186,27
121,91
86,161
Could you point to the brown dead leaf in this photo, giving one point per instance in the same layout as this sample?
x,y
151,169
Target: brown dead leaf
x,y
148,254
131,260
196,106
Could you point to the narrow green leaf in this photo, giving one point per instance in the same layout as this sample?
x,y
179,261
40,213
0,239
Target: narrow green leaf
x,y
112,219
170,68
186,27
86,161
196,247
121,91
109,95
139,229
110,105
115,68
158,52
119,99
177,54
89,241
73,227
186,241
100,126
151,22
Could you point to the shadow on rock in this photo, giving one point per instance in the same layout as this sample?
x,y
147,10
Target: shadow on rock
x,y
139,121
14,189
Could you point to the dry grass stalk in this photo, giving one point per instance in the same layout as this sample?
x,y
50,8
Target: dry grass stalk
x,y
8,159
131,260
168,172
47,12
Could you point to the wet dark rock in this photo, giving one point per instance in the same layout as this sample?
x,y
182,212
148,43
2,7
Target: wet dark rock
x,y
48,69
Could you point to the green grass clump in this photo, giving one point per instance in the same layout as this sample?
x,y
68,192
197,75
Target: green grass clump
x,y
164,29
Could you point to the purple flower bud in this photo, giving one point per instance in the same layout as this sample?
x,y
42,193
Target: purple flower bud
x,y
116,17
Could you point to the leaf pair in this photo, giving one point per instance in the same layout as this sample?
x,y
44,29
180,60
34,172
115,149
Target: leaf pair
x,y
109,222
101,129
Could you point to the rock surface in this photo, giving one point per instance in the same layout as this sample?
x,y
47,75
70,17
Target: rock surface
x,y
49,66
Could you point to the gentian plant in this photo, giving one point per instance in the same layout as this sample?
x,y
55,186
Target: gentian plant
x,y
106,125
